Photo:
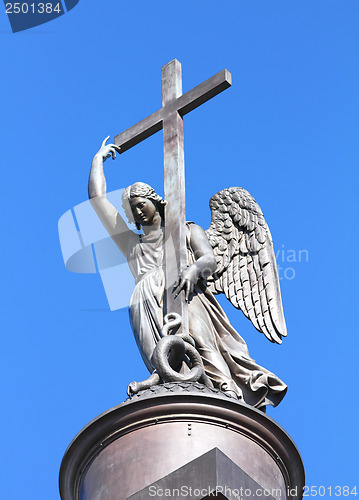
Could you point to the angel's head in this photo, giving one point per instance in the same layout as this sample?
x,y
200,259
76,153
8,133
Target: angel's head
x,y
141,204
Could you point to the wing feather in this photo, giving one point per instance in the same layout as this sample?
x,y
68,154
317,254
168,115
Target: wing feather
x,y
253,285
239,298
255,290
260,284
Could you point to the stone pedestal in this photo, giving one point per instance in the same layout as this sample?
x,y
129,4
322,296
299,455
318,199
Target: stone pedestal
x,y
181,441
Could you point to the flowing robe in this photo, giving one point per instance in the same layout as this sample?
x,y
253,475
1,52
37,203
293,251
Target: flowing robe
x,y
224,353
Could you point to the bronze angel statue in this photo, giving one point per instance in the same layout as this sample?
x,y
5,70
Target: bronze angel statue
x,y
234,256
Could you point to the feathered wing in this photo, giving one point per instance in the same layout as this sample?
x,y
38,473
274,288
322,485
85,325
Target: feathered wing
x,y
246,267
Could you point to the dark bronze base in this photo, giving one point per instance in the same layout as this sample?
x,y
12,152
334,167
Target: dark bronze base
x,y
181,440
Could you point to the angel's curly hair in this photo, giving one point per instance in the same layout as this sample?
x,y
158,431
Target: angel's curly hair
x,y
143,190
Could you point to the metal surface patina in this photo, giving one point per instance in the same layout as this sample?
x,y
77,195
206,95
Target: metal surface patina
x,y
181,330
182,435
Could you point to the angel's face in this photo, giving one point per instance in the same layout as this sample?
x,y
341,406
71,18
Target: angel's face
x,y
143,210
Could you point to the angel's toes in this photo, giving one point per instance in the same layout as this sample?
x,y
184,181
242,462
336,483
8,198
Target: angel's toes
x,y
228,388
133,388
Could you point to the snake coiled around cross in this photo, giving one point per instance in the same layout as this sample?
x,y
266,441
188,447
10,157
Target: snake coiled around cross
x,y
169,354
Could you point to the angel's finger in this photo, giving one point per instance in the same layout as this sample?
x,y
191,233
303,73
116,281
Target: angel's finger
x,y
113,146
176,284
104,141
188,290
113,152
180,287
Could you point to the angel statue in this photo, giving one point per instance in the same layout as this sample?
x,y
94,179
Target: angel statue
x,y
234,256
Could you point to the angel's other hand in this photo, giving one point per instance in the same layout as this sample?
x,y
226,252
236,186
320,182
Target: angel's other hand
x,y
107,150
186,282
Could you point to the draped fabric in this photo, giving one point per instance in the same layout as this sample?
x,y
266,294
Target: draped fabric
x,y
225,354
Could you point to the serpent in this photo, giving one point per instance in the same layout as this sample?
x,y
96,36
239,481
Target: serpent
x,y
168,355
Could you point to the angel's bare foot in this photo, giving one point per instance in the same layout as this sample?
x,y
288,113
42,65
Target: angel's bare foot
x,y
135,387
132,389
227,389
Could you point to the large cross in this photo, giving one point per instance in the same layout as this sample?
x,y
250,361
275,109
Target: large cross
x,y
170,118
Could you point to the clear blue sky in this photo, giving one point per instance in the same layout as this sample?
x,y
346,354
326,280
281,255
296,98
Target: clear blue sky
x,y
287,131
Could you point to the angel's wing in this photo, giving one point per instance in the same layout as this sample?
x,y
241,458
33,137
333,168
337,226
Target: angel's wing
x,y
246,267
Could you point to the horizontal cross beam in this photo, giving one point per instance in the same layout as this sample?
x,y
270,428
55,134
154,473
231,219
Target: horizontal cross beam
x,y
183,104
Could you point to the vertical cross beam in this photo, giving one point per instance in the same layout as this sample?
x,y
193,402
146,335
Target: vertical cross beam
x,y
175,248
170,117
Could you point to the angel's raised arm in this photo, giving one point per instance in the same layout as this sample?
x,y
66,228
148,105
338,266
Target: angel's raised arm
x,y
107,213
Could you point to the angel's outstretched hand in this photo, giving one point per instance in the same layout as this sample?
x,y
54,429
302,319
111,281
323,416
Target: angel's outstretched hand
x,y
186,282
107,150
